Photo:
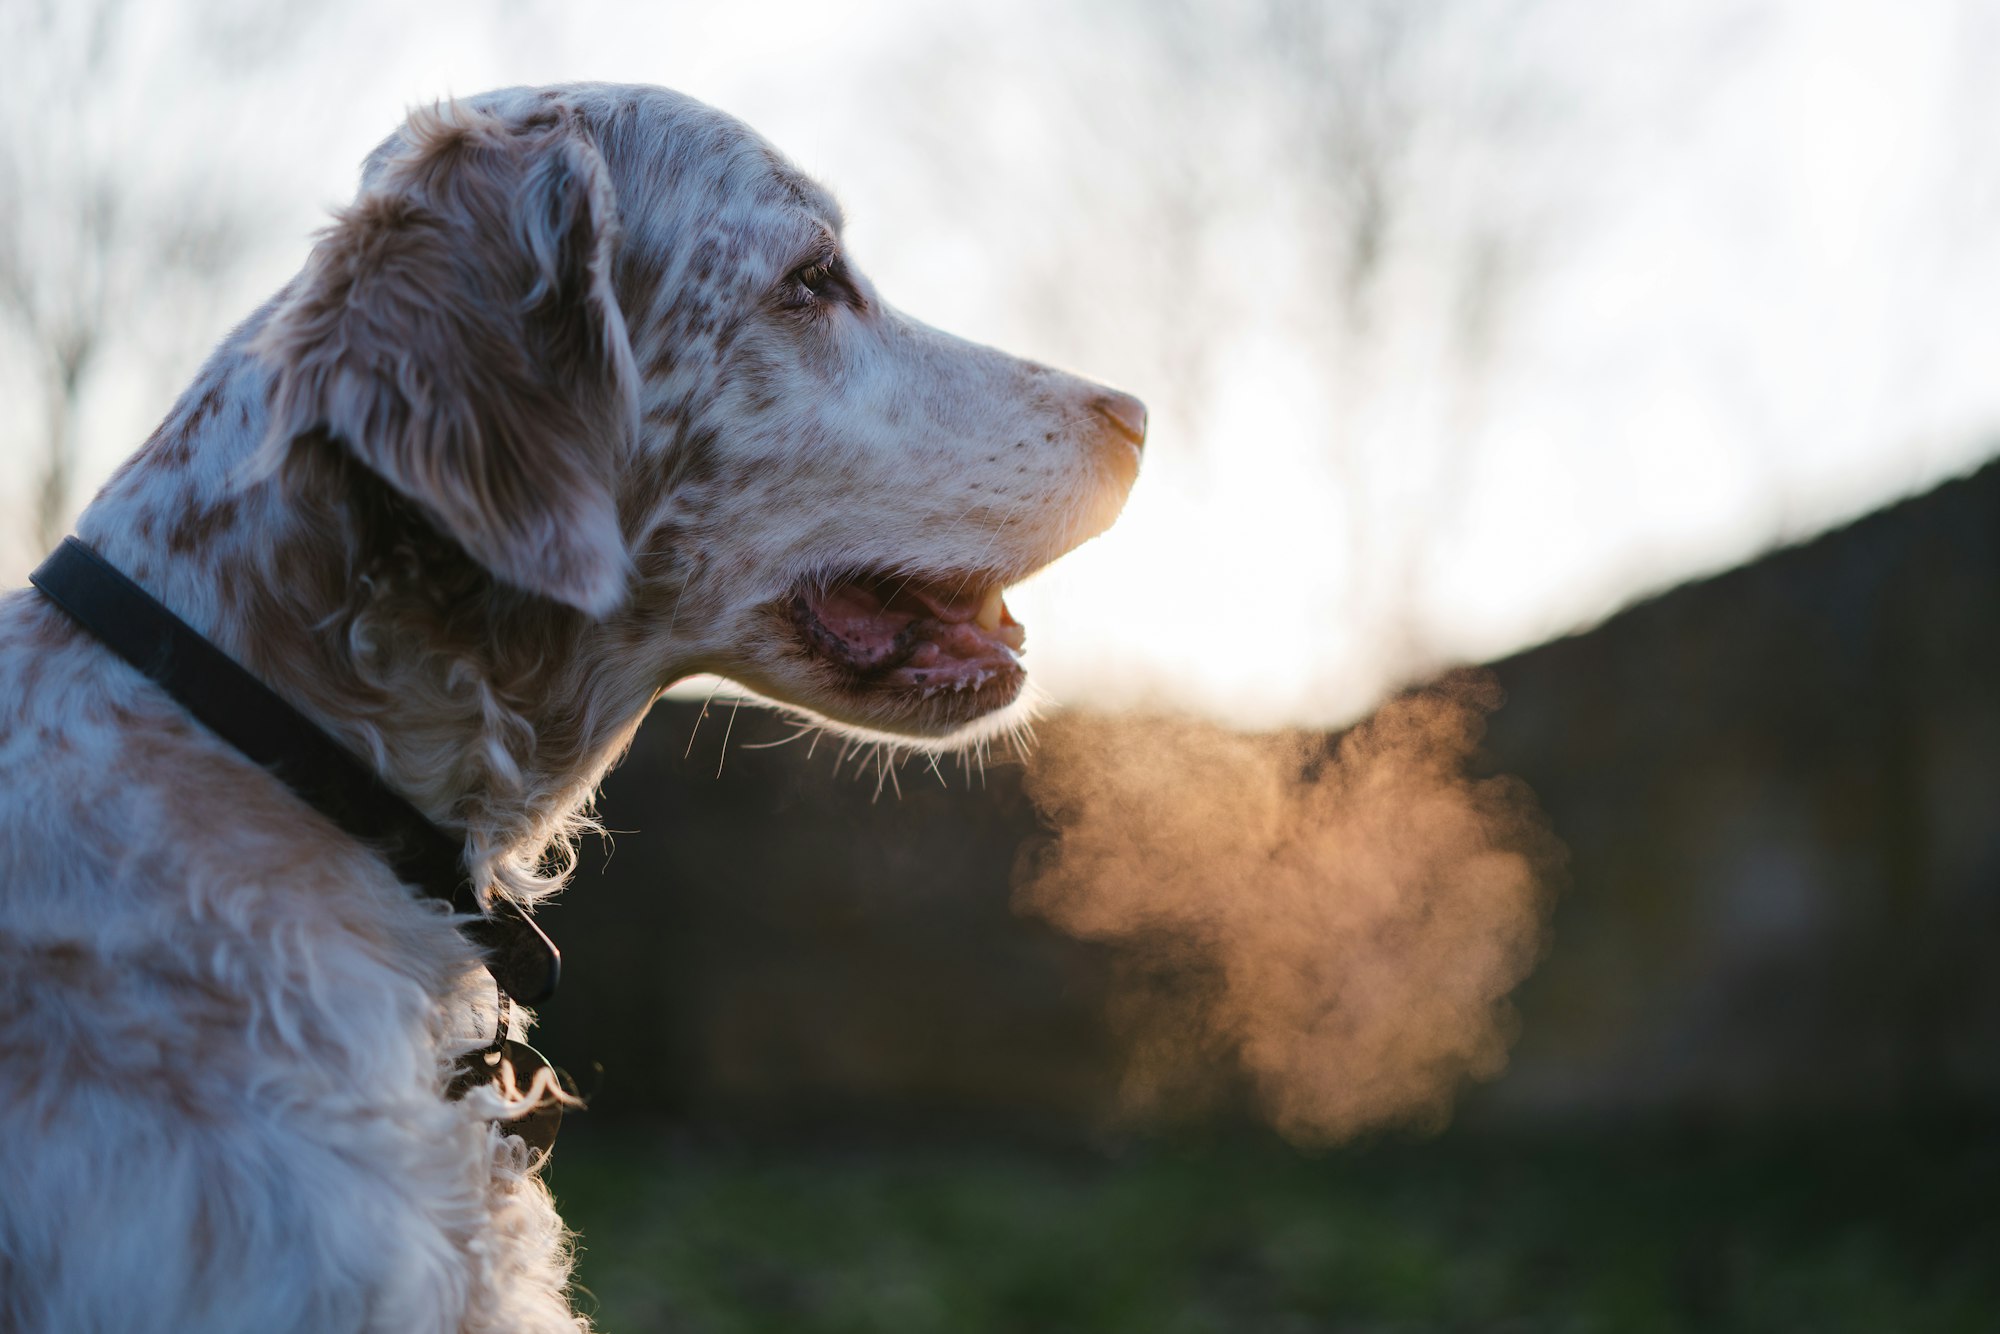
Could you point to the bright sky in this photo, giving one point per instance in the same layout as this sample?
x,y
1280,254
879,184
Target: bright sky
x,y
1747,253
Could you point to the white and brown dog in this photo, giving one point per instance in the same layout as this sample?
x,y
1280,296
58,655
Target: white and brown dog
x,y
579,397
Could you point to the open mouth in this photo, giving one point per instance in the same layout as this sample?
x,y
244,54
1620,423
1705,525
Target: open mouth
x,y
920,637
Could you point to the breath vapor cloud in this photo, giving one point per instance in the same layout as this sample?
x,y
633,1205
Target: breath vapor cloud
x,y
1336,923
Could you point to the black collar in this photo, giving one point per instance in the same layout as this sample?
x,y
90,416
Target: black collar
x,y
246,713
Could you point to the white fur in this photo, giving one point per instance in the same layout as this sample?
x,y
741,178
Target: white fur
x,y
526,441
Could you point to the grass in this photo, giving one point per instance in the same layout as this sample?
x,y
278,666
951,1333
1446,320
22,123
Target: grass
x,y
1863,1232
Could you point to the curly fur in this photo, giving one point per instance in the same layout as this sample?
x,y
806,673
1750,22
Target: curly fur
x,y
536,431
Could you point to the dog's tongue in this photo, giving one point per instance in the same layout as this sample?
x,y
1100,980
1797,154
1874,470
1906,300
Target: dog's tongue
x,y
935,632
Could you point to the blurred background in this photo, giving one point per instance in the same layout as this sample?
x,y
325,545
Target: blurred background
x,y
1513,840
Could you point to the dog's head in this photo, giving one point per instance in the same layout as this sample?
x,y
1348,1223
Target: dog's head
x,y
609,342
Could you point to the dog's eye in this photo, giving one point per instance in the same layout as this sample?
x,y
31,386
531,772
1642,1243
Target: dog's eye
x,y
822,282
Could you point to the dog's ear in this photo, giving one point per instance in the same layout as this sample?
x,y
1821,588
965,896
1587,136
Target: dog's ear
x,y
456,331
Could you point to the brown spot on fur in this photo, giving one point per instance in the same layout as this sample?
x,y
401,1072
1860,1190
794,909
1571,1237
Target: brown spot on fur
x,y
199,525
638,277
205,407
661,364
695,462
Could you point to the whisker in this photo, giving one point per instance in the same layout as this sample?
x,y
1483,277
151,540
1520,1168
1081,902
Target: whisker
x,y
674,612
799,730
729,727
698,719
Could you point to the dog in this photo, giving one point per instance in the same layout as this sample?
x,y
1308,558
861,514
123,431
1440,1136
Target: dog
x,y
580,396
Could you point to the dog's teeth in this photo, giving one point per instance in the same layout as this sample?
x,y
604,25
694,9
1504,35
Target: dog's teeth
x,y
990,610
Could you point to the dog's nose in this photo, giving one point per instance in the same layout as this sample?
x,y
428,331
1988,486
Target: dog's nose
x,y
1123,411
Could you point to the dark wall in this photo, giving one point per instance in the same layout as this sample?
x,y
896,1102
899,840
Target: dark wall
x,y
1780,788
779,942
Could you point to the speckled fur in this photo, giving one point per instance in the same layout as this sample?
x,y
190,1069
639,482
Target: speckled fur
x,y
529,438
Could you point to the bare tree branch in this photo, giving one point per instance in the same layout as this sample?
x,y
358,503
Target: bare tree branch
x,y
97,235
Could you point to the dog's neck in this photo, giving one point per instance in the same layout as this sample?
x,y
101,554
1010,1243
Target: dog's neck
x,y
495,712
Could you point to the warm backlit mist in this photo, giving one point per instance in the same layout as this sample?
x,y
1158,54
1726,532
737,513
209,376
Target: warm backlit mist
x,y
1336,924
